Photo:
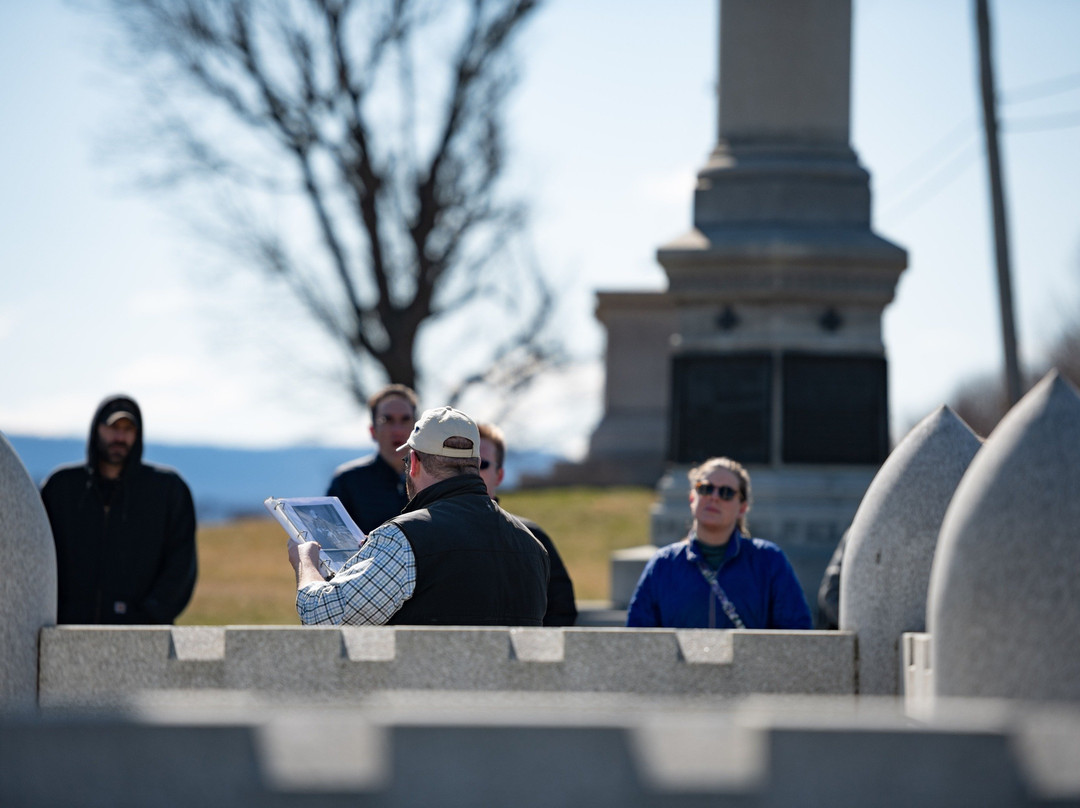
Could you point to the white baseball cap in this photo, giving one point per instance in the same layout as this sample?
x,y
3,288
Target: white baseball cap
x,y
436,426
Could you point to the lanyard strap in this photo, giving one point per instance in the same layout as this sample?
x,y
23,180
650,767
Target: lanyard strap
x,y
710,576
721,595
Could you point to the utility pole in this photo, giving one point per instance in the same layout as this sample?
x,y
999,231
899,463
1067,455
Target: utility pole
x,y
997,195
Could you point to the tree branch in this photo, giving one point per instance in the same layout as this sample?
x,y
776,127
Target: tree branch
x,y
401,178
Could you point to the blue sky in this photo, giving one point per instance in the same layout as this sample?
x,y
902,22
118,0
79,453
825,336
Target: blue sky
x,y
106,290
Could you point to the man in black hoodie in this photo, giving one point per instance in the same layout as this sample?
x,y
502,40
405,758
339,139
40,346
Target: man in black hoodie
x,y
124,530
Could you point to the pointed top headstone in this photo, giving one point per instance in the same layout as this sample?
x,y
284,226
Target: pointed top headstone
x,y
28,592
890,546
1004,601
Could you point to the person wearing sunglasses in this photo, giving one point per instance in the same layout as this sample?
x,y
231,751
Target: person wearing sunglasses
x,y
719,576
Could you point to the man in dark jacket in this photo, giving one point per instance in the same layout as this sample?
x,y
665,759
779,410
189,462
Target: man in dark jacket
x,y
124,529
561,606
372,488
453,557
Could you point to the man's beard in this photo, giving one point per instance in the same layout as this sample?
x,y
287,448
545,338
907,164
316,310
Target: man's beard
x,y
410,486
114,453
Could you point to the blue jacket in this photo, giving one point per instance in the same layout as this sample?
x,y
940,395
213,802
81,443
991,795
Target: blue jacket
x,y
755,574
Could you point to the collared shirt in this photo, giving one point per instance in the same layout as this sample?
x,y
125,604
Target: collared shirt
x,y
369,588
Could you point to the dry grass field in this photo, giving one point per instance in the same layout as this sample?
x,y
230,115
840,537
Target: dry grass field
x,y
245,578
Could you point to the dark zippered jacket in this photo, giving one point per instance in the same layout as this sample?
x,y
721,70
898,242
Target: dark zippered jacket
x,y
133,561
561,606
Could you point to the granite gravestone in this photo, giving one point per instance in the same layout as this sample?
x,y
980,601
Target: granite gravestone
x,y
1004,605
890,546
28,585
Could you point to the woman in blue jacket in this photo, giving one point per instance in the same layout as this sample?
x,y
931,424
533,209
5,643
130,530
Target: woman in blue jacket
x,y
718,576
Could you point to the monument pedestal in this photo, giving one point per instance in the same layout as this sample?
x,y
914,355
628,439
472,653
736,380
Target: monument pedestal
x,y
629,444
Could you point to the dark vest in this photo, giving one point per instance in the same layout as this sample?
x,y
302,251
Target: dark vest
x,y
476,565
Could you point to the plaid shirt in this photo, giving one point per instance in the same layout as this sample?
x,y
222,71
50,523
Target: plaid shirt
x,y
369,589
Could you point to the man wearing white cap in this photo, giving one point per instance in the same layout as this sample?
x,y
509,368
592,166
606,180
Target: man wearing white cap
x,y
453,556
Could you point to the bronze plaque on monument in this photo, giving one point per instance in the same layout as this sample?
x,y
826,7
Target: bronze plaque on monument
x,y
834,408
721,406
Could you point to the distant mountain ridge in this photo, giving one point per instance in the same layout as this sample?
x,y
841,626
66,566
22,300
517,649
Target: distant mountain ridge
x,y
229,482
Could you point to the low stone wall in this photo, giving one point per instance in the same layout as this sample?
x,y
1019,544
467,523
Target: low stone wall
x,y
537,750
90,666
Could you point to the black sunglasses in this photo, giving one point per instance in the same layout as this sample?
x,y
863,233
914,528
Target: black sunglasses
x,y
725,492
485,465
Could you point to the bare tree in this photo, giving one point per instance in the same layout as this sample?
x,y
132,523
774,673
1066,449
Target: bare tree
x,y
378,128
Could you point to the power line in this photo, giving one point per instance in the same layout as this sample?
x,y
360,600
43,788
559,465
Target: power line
x,y
1043,123
928,184
932,185
921,172
960,136
1041,89
929,173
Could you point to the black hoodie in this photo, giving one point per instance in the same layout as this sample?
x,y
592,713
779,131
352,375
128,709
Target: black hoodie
x,y
125,555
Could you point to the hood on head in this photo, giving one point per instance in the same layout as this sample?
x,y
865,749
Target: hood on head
x,y
107,407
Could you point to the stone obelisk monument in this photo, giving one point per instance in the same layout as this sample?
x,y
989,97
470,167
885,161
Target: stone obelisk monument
x,y
774,354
